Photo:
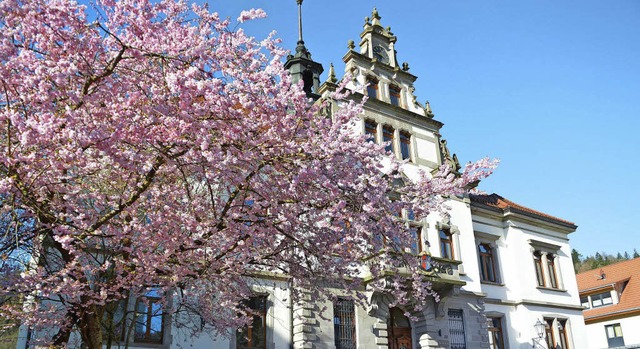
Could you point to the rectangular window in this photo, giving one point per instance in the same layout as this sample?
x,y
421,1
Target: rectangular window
x,y
456,329
537,260
562,333
344,324
372,88
551,267
149,319
614,335
601,299
549,336
487,267
584,301
405,145
416,242
387,136
446,243
254,335
394,95
494,325
371,130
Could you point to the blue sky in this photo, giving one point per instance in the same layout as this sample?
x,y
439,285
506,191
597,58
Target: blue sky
x,y
551,88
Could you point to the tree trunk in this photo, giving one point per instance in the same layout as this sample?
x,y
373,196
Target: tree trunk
x,y
90,327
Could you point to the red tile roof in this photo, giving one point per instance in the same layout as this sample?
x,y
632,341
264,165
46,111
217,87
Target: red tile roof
x,y
614,277
497,201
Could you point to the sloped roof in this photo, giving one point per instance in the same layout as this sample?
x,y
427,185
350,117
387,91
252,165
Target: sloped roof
x,y
614,277
497,201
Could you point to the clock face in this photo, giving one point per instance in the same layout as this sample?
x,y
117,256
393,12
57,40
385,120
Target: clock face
x,y
380,54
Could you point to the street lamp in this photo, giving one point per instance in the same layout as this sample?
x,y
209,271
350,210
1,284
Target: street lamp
x,y
540,327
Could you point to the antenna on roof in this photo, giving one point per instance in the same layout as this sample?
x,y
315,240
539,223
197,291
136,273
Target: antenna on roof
x,y
601,275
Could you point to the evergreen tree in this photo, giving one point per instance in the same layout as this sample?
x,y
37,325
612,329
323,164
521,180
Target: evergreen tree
x,y
576,257
635,253
626,255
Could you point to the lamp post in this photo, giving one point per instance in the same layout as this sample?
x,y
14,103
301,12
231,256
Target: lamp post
x,y
539,327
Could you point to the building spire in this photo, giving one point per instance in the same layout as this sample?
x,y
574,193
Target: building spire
x,y
300,64
300,41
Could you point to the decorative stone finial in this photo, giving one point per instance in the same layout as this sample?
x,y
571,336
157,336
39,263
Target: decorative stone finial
x,y
447,158
375,17
366,21
405,66
374,14
351,45
427,110
332,75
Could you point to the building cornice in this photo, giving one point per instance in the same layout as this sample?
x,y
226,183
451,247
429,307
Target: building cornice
x,y
532,302
515,214
364,60
386,109
612,315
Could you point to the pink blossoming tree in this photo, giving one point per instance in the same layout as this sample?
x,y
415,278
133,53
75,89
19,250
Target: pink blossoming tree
x,y
157,149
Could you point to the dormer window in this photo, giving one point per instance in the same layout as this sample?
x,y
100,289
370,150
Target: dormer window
x,y
372,88
601,299
394,95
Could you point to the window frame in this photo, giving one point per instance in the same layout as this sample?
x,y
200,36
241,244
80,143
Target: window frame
x,y
617,341
487,261
388,135
585,302
537,261
405,143
450,253
547,265
495,332
599,297
149,301
371,132
416,232
344,325
557,333
373,90
551,271
395,95
562,333
259,313
549,335
457,328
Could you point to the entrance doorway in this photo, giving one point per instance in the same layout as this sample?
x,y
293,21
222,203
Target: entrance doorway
x,y
399,330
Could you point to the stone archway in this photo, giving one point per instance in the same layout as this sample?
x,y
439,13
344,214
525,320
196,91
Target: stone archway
x,y
399,330
405,332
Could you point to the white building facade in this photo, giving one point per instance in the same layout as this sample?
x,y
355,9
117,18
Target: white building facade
x,y
501,267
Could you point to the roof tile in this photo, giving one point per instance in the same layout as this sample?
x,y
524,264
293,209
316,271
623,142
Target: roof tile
x,y
614,276
497,201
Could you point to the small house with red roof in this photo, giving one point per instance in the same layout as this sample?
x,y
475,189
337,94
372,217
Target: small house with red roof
x,y
611,297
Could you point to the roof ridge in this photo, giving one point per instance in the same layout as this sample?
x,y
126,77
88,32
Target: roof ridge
x,y
615,265
498,201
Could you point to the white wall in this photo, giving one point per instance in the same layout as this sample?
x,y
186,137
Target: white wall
x,y
597,337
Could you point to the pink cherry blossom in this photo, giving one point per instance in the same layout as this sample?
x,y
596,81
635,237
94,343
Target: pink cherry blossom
x,y
157,149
